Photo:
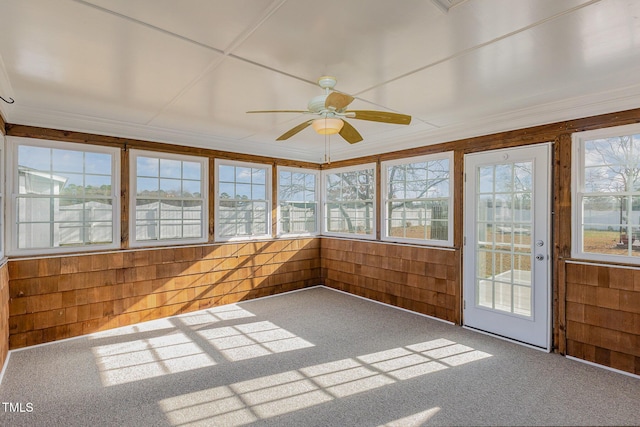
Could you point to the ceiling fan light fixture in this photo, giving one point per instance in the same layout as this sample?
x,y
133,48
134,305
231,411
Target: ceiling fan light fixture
x,y
327,126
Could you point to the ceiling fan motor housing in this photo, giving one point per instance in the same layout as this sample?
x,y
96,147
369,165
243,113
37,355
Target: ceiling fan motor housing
x,y
316,104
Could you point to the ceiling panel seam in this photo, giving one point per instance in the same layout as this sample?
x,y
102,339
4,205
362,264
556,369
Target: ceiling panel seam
x,y
268,12
484,44
150,26
273,7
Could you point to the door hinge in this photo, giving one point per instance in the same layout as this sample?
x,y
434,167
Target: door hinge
x,y
464,304
464,241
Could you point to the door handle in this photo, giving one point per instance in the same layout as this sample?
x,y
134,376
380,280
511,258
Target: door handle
x,y
540,257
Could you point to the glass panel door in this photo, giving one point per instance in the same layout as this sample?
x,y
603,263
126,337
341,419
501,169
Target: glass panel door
x,y
503,240
506,266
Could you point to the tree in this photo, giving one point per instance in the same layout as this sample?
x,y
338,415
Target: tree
x,y
612,165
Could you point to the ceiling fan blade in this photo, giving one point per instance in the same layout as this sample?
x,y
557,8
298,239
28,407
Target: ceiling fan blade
x,y
349,133
338,100
288,134
380,116
277,111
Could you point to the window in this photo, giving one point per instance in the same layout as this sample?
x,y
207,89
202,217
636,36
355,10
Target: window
x,y
168,201
297,201
417,204
243,208
349,201
606,194
65,196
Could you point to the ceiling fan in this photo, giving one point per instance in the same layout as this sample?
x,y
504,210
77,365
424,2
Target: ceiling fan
x,y
332,111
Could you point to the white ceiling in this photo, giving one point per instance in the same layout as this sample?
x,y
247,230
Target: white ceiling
x,y
186,71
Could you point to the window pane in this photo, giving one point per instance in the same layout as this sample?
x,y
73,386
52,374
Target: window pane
x,y
259,176
147,166
147,209
97,163
191,189
243,191
350,202
67,161
147,187
609,194
170,187
171,198
485,178
146,231
297,200
170,168
34,158
258,192
97,185
238,214
77,207
418,200
34,209
227,190
191,170
34,235
226,173
243,175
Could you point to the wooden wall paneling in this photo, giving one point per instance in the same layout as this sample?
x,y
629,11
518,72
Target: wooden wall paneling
x,y
619,118
56,298
5,311
421,279
3,125
561,236
602,313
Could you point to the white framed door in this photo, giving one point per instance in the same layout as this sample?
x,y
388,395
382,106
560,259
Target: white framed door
x,y
507,223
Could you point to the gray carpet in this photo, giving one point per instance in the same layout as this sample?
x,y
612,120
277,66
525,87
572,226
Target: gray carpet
x,y
310,358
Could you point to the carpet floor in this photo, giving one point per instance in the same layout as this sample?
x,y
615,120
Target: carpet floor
x,y
315,357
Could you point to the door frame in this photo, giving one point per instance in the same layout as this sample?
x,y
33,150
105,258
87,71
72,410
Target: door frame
x,y
548,236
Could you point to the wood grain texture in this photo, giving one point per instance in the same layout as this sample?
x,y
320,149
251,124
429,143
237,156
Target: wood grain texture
x,y
603,315
56,298
425,280
561,236
4,313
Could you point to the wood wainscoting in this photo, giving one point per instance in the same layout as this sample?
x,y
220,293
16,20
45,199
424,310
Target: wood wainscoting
x,y
52,298
4,313
421,279
603,315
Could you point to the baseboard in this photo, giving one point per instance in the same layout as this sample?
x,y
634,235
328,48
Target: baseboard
x,y
385,304
608,368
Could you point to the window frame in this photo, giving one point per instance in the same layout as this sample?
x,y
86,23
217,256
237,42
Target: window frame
x,y
134,154
268,201
578,192
384,199
317,200
11,227
374,210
